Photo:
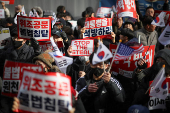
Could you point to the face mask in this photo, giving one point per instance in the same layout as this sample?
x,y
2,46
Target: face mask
x,y
156,67
17,44
97,71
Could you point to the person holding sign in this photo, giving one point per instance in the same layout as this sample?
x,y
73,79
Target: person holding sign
x,y
6,10
98,90
18,50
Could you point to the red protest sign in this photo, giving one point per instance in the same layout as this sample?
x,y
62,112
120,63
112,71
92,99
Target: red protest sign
x,y
8,1
98,27
12,76
126,67
45,92
39,28
46,45
82,47
126,8
167,16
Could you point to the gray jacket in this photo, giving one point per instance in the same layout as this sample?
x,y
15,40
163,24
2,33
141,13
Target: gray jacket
x,y
148,38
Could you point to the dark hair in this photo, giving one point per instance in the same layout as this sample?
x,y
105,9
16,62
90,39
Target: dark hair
x,y
84,13
89,11
60,9
67,30
81,22
147,20
129,22
149,7
61,14
127,32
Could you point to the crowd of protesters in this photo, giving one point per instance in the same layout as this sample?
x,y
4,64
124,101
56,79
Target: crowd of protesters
x,y
94,90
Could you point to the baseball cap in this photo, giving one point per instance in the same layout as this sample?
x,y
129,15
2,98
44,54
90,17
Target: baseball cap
x,y
56,32
138,109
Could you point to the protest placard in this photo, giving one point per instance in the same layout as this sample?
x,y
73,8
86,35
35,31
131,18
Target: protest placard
x,y
126,67
2,14
154,102
4,34
73,23
39,28
98,27
46,45
45,92
8,1
82,47
166,18
104,12
12,76
126,8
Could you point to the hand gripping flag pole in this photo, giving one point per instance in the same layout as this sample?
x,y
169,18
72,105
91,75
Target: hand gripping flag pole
x,y
114,55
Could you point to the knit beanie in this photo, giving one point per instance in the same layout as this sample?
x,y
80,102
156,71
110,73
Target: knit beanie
x,y
46,58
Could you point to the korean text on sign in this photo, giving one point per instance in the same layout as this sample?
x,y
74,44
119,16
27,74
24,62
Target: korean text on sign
x,y
82,47
12,76
126,8
48,93
46,45
126,67
39,28
98,27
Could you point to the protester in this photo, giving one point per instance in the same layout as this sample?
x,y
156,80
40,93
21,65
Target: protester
x,y
129,24
143,76
80,27
61,36
149,10
18,8
77,69
46,61
62,9
100,90
148,35
6,10
90,11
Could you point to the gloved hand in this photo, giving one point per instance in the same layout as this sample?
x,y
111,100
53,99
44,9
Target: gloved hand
x,y
142,64
35,45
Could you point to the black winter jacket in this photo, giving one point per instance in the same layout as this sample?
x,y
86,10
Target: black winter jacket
x,y
104,99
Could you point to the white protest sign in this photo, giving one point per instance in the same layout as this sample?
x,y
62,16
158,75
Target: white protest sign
x,y
156,103
2,14
82,47
4,33
39,28
104,12
45,93
73,23
61,61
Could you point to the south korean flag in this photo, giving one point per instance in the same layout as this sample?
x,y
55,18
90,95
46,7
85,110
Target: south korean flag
x,y
102,54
